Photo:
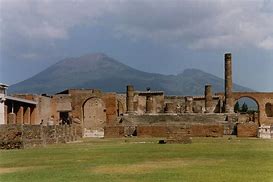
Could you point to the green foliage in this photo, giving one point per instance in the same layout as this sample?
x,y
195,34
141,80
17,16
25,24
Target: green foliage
x,y
237,107
244,107
141,160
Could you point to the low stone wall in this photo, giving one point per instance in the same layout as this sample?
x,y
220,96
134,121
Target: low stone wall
x,y
247,130
172,131
177,119
24,136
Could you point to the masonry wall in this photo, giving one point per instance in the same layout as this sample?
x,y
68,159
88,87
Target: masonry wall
x,y
121,104
111,107
176,119
247,130
24,136
192,130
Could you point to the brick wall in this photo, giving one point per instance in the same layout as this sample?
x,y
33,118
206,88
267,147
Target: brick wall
x,y
247,130
24,136
152,131
114,131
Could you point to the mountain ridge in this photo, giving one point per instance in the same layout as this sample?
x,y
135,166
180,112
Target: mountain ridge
x,y
100,71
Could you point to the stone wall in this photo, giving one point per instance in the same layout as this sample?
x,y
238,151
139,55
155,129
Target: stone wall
x,y
24,136
247,130
192,130
175,119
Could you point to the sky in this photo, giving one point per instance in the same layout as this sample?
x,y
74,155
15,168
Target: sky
x,y
160,36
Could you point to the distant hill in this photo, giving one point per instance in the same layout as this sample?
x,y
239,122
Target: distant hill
x,y
102,72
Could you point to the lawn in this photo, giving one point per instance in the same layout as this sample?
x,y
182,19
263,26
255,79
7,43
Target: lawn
x,y
136,160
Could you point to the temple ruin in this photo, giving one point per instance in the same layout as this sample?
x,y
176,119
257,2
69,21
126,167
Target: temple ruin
x,y
146,113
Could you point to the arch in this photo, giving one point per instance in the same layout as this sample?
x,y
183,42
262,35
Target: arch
x,y
253,116
269,109
249,97
94,115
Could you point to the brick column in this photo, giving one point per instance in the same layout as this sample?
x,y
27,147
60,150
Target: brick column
x,y
20,115
208,99
130,98
33,116
27,116
228,84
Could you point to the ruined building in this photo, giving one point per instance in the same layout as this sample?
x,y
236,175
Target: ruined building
x,y
141,113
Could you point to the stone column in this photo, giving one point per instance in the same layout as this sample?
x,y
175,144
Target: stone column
x,y
170,108
20,115
6,114
228,84
208,99
130,98
149,104
188,104
27,116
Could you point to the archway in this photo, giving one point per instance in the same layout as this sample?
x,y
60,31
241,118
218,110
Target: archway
x,y
248,108
94,117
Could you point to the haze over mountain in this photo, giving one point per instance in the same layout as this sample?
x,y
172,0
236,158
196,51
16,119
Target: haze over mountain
x,y
102,72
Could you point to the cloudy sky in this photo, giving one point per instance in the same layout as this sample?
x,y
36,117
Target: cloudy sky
x,y
162,36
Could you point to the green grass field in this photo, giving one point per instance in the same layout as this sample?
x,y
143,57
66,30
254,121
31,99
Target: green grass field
x,y
131,160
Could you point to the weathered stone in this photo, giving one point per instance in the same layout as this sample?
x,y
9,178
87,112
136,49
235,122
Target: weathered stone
x,y
208,99
130,98
228,84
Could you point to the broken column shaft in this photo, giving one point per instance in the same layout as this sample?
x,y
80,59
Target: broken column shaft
x,y
228,84
208,99
130,98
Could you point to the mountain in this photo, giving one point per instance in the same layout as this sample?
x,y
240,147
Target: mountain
x,y
102,72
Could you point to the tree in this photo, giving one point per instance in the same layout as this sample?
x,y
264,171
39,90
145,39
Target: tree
x,y
237,107
244,107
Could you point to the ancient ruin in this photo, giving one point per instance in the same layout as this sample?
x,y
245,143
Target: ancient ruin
x,y
141,113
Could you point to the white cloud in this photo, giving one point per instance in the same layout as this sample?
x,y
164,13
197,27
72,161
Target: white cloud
x,y
195,24
267,43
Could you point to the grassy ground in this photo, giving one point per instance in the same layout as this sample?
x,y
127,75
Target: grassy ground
x,y
132,160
